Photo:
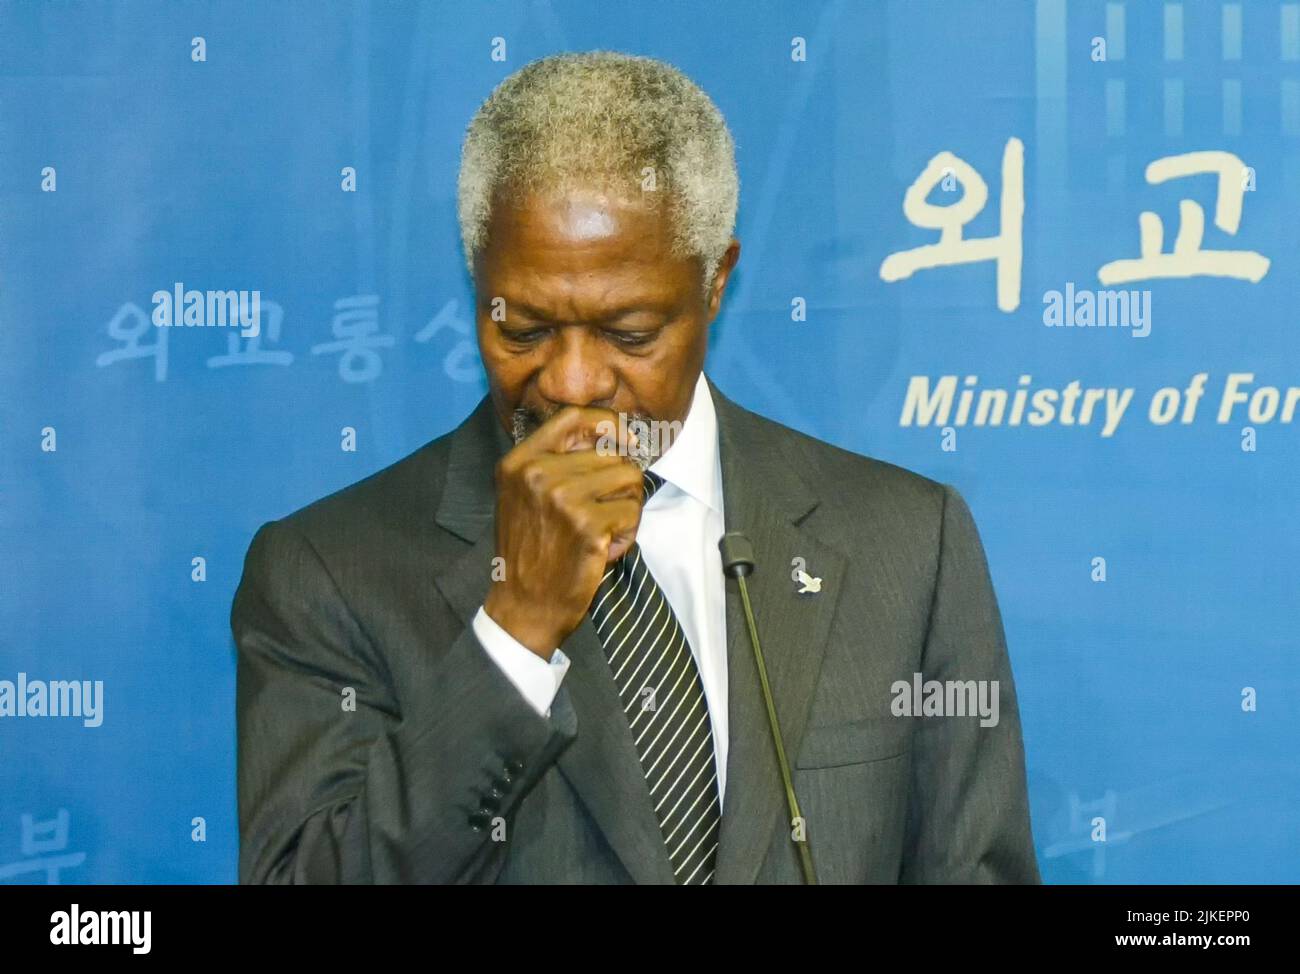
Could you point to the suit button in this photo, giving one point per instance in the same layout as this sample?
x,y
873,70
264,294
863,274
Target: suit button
x,y
503,785
480,819
514,767
492,800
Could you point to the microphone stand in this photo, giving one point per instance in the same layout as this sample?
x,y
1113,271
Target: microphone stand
x,y
737,562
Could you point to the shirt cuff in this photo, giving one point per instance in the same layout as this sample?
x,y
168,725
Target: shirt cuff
x,y
535,678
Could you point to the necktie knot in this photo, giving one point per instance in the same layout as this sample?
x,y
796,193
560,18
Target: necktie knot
x,y
650,483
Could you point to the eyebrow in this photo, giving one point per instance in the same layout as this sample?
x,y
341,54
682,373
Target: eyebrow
x,y
647,305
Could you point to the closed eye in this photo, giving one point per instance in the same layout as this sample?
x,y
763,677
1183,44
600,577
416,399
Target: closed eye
x,y
623,339
528,337
633,339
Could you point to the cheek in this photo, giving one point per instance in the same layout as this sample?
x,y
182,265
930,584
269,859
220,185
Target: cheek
x,y
674,357
506,373
501,361
658,382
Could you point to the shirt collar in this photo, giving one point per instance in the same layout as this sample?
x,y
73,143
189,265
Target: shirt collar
x,y
691,463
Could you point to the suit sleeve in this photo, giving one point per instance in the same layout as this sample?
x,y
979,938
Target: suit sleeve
x,y
968,814
337,784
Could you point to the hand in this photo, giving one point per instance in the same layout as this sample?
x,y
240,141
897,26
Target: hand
x,y
564,512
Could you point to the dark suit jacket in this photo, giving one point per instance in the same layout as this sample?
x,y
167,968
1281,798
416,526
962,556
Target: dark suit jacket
x,y
371,592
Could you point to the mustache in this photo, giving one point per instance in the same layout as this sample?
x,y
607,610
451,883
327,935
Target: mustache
x,y
525,421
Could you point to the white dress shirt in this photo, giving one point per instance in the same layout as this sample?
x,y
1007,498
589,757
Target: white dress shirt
x,y
679,532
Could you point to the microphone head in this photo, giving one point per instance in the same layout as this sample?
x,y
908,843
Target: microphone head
x,y
737,554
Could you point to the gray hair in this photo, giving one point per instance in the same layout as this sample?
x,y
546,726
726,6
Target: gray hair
x,y
600,118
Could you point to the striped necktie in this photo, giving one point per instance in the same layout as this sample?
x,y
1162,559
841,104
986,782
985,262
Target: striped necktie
x,y
663,699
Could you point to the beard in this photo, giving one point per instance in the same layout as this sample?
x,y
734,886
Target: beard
x,y
524,422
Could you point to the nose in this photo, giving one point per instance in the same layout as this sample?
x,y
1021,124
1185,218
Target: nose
x,y
576,372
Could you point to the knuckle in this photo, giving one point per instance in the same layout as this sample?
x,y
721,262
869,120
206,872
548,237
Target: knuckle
x,y
533,475
582,521
556,494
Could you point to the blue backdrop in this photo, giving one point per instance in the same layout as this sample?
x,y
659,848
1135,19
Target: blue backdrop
x,y
1158,685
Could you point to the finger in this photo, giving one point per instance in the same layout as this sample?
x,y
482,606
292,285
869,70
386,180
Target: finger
x,y
621,479
620,518
580,464
584,428
623,523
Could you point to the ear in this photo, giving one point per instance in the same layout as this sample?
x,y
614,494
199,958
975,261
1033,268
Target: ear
x,y
720,278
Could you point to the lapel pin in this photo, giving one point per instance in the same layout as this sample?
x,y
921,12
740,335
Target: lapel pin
x,y
807,582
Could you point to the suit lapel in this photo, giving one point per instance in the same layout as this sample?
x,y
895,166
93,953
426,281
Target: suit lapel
x,y
765,497
601,764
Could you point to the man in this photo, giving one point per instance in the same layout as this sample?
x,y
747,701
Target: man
x,y
513,656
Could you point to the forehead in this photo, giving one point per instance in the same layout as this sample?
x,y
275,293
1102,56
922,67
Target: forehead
x,y
589,244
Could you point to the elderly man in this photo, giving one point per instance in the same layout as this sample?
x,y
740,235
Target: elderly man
x,y
514,656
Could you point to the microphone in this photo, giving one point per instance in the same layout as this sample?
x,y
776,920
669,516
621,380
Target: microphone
x,y
737,562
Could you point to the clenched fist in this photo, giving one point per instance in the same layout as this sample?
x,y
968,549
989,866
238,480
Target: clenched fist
x,y
564,512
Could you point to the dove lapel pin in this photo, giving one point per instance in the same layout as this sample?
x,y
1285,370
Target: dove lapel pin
x,y
808,585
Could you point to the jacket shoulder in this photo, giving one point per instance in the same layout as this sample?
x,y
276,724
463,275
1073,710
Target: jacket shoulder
x,y
394,502
852,481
